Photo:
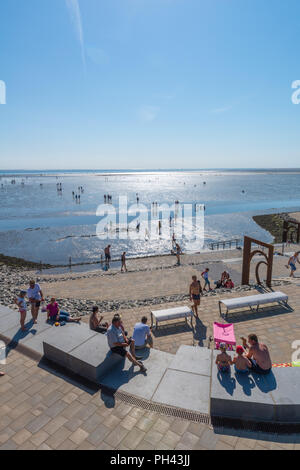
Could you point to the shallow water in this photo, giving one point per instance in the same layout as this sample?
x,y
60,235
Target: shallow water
x,y
41,224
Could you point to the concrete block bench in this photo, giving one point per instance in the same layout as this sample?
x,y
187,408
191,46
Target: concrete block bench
x,y
253,397
253,301
80,350
171,314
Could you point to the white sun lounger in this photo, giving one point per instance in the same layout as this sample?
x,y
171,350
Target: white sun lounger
x,y
253,301
171,314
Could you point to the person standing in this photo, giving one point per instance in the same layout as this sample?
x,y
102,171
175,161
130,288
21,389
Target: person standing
x,y
21,303
178,253
206,279
107,255
292,263
35,296
123,261
195,294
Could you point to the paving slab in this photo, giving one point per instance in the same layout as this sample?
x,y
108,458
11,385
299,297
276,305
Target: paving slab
x,y
128,379
93,359
59,342
193,359
286,394
184,390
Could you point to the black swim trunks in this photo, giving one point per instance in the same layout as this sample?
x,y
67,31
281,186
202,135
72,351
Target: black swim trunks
x,y
119,350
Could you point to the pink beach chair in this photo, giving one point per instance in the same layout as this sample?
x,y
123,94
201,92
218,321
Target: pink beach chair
x,y
224,334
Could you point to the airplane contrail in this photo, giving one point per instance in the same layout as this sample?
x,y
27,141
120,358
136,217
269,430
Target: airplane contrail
x,y
75,14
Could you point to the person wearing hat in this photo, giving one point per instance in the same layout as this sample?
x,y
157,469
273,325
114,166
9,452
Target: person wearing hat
x,y
240,361
21,303
223,360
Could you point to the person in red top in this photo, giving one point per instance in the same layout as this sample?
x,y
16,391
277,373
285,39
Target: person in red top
x,y
55,315
229,284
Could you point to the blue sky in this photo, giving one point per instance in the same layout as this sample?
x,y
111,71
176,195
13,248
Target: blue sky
x,y
149,84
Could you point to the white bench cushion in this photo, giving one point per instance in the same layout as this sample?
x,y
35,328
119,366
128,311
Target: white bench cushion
x,y
172,313
251,300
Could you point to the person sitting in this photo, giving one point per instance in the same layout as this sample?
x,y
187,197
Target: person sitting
x,y
225,277
142,334
96,322
55,315
229,284
241,363
258,354
118,343
223,359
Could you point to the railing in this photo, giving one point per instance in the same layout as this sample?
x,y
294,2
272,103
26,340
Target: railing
x,y
236,242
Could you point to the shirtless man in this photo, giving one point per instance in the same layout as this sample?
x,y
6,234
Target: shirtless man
x,y
107,254
258,354
195,293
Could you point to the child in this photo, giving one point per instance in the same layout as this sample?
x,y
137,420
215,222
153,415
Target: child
x,y
205,277
21,303
223,360
241,362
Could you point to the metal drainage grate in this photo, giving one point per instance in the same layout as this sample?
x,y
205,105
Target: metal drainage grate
x,y
163,409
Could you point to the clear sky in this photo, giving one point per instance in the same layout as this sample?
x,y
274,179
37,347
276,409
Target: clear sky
x,y
109,84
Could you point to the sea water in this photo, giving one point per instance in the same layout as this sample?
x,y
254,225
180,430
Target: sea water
x,y
39,223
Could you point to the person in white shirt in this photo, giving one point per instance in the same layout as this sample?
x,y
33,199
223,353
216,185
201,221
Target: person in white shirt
x,y
142,334
35,296
21,303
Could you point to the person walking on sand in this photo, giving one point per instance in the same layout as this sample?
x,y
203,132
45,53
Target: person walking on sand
x,y
107,255
178,253
292,263
35,296
123,261
21,303
206,279
195,294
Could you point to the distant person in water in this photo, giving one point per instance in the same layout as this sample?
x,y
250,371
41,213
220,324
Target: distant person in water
x,y
292,263
123,261
195,294
21,303
107,254
35,296
96,322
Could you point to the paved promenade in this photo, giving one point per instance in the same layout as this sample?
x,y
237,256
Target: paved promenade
x,y
40,410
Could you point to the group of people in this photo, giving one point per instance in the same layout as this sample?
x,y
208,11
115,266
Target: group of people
x,y
196,289
107,199
254,357
35,297
118,340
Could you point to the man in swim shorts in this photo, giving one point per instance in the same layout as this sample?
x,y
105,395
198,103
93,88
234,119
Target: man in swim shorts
x,y
195,294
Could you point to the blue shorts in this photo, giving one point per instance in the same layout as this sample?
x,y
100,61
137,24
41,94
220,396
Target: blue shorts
x,y
293,267
245,371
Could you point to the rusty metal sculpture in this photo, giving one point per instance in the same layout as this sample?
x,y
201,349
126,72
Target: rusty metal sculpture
x,y
248,256
290,226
